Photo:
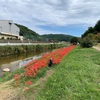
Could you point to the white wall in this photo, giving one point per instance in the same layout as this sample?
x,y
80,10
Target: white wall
x,y
9,28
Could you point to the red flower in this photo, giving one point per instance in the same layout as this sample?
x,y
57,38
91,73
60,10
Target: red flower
x,y
26,89
16,76
57,55
28,83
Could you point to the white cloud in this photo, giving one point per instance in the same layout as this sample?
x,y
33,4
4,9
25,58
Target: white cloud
x,y
50,12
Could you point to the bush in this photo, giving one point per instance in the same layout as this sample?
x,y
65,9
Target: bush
x,y
86,43
74,40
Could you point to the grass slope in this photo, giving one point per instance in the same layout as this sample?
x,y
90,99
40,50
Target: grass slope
x,y
77,77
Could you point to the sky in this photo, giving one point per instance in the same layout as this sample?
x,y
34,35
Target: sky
x,y
70,17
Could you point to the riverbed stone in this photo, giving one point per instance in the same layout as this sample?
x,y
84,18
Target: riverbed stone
x,y
6,69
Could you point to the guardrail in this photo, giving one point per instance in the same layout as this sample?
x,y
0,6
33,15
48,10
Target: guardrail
x,y
3,44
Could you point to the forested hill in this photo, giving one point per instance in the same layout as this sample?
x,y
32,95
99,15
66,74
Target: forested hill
x,y
58,37
30,34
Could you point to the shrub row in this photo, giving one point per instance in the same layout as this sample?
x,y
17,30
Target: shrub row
x,y
86,43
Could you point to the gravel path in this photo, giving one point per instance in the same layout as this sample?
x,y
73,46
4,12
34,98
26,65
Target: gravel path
x,y
97,48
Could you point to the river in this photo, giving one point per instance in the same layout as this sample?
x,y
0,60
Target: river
x,y
17,61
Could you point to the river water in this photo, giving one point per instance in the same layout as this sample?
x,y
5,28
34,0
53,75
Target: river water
x,y
17,61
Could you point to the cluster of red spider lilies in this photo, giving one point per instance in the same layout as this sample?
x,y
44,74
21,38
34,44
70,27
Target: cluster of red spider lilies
x,y
57,55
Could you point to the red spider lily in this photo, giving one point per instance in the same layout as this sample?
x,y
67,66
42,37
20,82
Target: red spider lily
x,y
16,77
26,88
28,83
57,55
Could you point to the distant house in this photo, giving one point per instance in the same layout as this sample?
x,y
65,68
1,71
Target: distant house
x,y
8,30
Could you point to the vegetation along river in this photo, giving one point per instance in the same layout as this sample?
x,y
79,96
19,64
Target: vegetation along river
x,y
15,61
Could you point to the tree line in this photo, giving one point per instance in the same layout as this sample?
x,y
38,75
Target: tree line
x,y
90,37
93,33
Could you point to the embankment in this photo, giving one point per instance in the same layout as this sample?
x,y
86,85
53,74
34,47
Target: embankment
x,y
19,49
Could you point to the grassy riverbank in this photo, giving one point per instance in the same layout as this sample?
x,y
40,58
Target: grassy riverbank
x,y
77,77
19,49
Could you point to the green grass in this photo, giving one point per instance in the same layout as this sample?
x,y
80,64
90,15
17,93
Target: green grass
x,y
77,77
8,76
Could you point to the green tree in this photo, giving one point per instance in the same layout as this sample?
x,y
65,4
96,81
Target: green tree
x,y
57,37
88,31
74,40
91,36
28,33
97,26
86,43
97,37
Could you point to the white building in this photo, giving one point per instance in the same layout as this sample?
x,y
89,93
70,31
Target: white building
x,y
8,30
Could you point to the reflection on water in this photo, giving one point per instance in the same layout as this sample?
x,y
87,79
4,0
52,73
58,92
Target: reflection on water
x,y
17,61
9,59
